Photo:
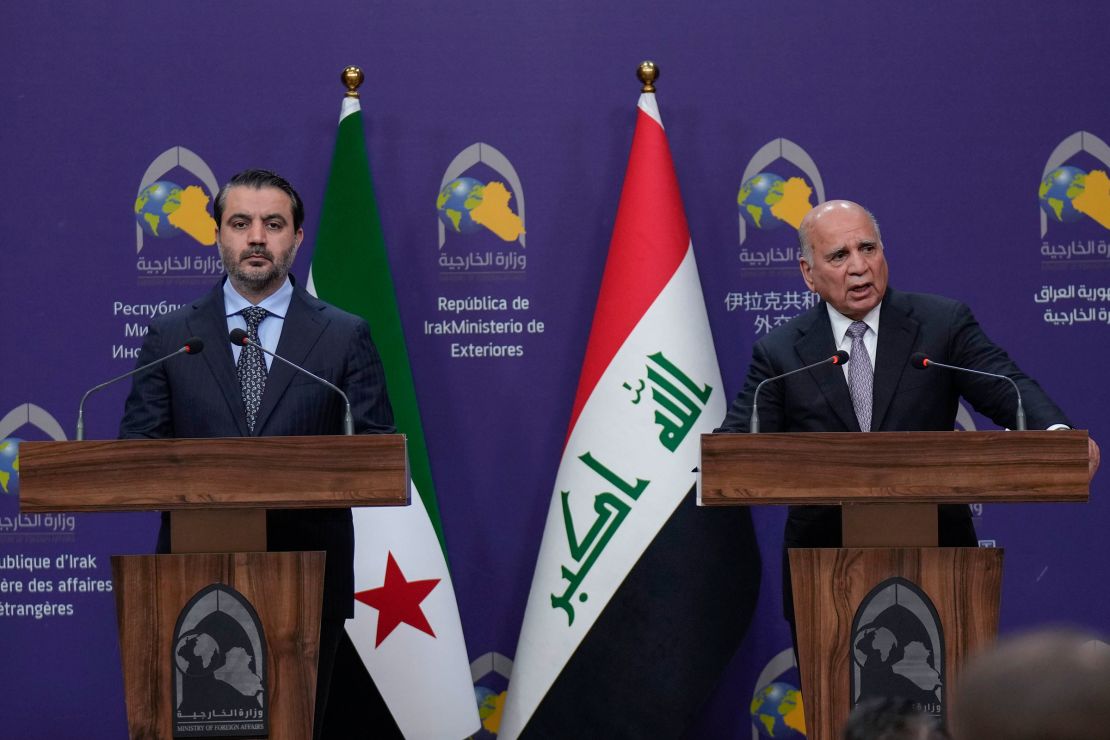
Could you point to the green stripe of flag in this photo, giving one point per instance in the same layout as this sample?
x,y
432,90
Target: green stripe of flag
x,y
350,269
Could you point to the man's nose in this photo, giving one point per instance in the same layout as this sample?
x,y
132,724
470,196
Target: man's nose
x,y
256,234
856,263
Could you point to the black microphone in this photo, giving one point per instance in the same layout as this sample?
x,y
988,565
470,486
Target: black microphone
x,y
239,338
839,358
192,346
921,361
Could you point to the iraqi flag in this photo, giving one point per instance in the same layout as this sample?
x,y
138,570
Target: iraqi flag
x,y
639,599
406,627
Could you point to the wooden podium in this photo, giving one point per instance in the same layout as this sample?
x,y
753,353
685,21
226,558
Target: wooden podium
x,y
888,485
218,491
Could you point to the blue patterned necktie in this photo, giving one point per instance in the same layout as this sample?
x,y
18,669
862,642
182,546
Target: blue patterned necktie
x,y
252,365
861,378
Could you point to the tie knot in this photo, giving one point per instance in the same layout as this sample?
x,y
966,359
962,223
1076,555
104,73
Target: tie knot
x,y
857,329
254,316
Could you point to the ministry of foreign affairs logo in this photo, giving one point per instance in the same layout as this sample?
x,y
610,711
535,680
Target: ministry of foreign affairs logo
x,y
897,648
25,414
1069,193
766,199
480,210
220,667
175,234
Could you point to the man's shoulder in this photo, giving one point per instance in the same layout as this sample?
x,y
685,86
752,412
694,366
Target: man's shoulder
x,y
167,313
923,303
788,333
327,310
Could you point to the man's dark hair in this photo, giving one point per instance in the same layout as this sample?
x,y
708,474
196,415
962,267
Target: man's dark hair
x,y
891,719
258,179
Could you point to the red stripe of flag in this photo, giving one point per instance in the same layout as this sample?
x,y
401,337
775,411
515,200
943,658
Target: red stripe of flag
x,y
650,239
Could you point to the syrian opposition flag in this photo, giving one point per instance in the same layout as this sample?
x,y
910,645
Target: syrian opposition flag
x,y
639,599
406,627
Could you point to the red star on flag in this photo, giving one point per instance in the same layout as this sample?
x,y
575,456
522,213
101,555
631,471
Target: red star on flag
x,y
397,601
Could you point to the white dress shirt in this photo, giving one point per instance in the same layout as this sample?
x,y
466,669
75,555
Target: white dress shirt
x,y
269,331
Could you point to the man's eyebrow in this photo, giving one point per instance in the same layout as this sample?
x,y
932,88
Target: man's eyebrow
x,y
267,217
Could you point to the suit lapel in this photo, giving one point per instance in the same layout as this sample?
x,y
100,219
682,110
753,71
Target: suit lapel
x,y
817,344
897,333
302,328
209,322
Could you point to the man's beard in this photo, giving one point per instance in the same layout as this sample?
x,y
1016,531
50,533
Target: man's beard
x,y
259,281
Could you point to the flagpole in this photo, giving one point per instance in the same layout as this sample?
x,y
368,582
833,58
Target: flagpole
x,y
622,528
406,627
648,72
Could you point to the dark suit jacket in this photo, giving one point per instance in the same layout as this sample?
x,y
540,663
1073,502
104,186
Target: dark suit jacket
x,y
200,397
904,399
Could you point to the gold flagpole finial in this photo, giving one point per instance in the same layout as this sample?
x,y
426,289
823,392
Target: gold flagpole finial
x,y
352,77
648,74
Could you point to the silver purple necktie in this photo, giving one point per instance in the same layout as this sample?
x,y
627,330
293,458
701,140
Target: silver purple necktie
x,y
861,378
252,365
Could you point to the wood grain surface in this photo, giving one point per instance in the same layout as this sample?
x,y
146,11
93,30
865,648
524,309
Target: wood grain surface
x,y
240,472
829,586
907,467
285,589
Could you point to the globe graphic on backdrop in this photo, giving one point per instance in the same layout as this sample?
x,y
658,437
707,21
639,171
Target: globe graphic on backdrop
x,y
777,712
489,703
9,466
154,205
757,196
457,201
1058,192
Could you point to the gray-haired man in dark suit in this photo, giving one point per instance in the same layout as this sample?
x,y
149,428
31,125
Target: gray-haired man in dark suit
x,y
842,260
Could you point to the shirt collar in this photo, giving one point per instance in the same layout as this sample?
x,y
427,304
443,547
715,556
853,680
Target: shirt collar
x,y
840,322
277,303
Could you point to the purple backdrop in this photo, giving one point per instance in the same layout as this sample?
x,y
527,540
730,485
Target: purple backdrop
x,y
942,120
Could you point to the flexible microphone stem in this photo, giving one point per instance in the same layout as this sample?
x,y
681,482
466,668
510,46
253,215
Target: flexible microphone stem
x,y
240,338
921,362
192,346
839,358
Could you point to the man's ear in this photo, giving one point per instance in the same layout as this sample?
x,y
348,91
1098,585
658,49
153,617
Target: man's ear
x,y
805,268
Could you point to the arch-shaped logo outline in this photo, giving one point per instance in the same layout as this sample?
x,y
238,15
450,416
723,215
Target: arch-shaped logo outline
x,y
492,662
775,150
36,416
175,156
496,161
205,602
1080,141
920,605
774,669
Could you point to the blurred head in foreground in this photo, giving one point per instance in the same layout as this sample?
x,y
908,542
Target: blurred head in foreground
x,y
1044,685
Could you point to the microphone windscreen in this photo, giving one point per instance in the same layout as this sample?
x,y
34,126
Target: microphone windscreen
x,y
919,360
840,357
238,337
193,345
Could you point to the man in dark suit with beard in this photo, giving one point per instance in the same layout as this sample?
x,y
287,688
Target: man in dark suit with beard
x,y
240,391
842,261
